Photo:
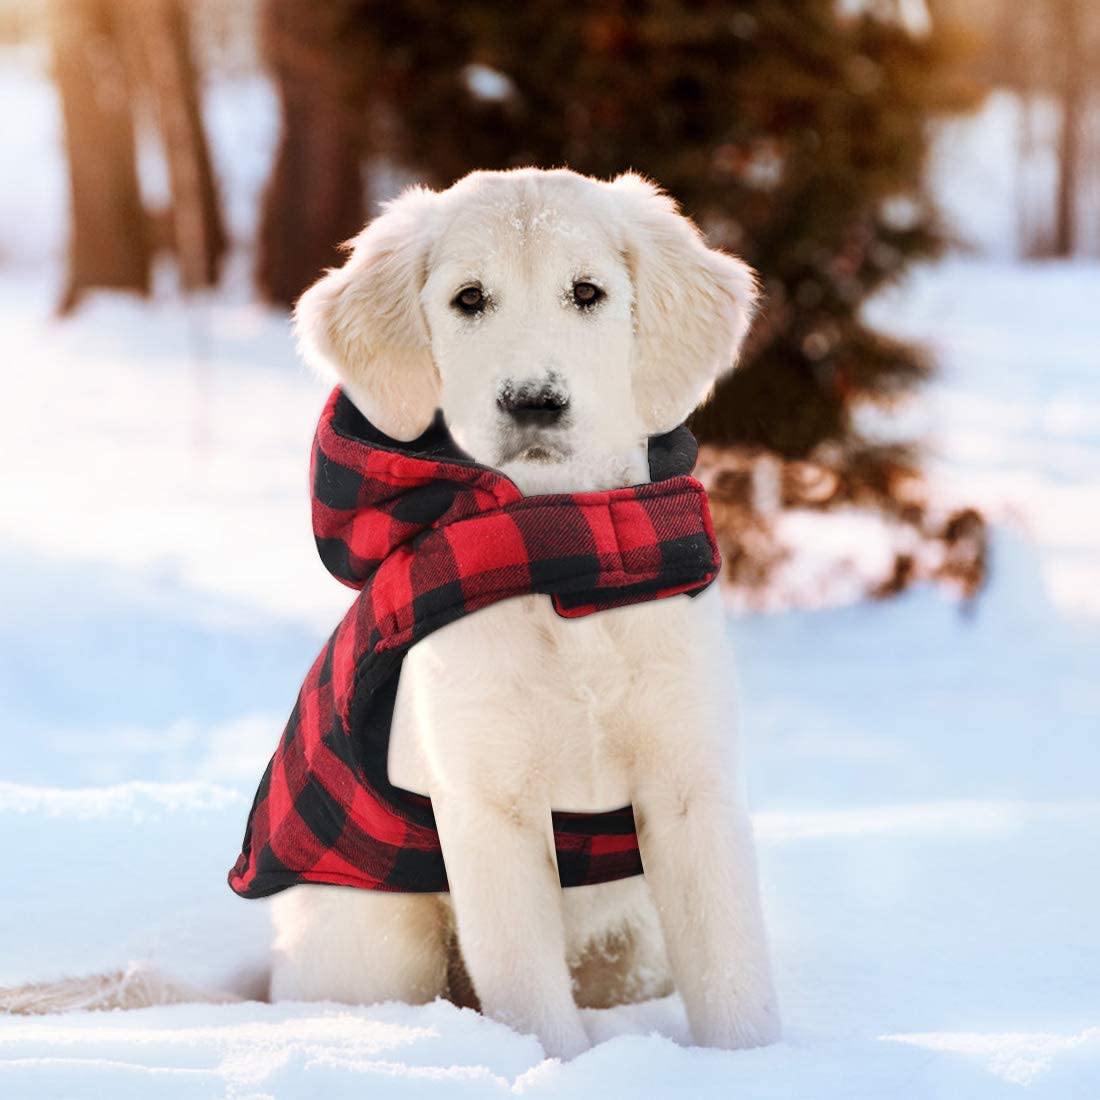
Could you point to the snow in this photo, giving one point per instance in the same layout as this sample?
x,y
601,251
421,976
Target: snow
x,y
33,188
924,779
994,176
913,15
488,84
1015,420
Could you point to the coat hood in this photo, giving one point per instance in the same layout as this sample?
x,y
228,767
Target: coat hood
x,y
372,494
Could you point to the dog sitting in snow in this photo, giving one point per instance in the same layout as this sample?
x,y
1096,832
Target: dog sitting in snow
x,y
560,323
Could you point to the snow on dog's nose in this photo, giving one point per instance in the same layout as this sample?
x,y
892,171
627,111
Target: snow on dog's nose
x,y
534,405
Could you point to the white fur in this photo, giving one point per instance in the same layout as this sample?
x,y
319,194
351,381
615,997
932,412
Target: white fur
x,y
513,711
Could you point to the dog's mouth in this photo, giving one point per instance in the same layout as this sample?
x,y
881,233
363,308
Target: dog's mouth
x,y
539,454
535,446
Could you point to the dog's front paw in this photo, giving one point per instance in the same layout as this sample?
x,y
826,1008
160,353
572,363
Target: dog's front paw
x,y
735,1025
560,1034
565,1043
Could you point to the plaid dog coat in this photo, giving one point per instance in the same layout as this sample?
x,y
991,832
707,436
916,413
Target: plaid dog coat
x,y
428,536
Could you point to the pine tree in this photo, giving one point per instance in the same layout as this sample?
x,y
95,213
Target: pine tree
x,y
793,134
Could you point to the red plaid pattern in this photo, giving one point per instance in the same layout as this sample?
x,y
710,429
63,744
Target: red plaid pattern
x,y
429,536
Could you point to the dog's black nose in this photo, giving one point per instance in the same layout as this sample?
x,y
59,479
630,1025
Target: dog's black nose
x,y
537,407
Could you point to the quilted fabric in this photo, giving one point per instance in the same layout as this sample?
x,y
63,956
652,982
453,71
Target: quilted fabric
x,y
427,536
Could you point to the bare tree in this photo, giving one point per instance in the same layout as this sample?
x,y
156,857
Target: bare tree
x,y
315,196
1070,34
198,233
109,244
107,54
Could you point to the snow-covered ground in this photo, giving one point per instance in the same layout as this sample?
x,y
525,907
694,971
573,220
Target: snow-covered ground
x,y
925,781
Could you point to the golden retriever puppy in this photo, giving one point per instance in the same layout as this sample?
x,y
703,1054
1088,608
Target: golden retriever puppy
x,y
558,321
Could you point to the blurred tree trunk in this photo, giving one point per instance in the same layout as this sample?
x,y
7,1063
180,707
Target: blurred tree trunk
x,y
315,196
109,238
197,229
1070,32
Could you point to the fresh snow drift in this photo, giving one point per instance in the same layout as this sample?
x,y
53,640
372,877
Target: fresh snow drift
x,y
924,779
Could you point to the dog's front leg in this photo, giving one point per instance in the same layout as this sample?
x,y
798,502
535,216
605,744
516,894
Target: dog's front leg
x,y
507,901
697,848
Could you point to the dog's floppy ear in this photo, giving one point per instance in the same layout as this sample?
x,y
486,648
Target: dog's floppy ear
x,y
363,321
692,305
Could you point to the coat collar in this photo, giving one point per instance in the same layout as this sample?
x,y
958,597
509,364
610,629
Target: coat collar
x,y
359,475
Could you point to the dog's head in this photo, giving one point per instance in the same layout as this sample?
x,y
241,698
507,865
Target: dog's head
x,y
556,319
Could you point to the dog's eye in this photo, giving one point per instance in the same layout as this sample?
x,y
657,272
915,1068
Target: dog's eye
x,y
586,295
470,300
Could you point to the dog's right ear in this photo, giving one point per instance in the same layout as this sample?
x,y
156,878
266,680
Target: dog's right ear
x,y
363,322
692,305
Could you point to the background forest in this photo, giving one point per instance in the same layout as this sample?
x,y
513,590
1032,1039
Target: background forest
x,y
796,134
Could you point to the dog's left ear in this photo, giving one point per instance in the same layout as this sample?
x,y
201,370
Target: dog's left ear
x,y
692,305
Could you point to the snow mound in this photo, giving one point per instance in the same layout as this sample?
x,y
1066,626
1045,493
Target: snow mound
x,y
945,901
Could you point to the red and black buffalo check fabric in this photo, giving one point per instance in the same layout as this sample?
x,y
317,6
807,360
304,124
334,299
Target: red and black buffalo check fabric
x,y
429,536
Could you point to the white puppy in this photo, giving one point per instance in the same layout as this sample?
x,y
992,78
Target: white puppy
x,y
558,321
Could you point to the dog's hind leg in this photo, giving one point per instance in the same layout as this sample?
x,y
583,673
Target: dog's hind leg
x,y
338,943
616,948
139,985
